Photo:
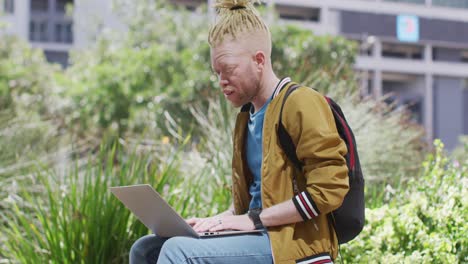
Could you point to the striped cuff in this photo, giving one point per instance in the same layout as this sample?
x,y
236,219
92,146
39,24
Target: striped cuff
x,y
317,259
306,206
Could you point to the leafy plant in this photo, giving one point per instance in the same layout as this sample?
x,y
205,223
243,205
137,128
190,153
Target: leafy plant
x,y
81,222
424,223
460,153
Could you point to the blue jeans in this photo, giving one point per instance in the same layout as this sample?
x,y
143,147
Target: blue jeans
x,y
247,248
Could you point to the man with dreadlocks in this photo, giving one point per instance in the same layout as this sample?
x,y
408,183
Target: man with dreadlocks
x,y
295,223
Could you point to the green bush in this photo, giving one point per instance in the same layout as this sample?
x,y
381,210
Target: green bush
x,y
28,104
26,79
424,223
130,81
460,153
81,222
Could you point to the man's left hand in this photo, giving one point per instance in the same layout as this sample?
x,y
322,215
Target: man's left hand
x,y
233,222
221,223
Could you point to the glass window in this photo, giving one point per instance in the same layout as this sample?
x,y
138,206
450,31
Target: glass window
x,y
402,51
39,5
43,32
32,31
291,12
9,6
38,31
464,56
451,3
69,33
408,1
62,5
58,32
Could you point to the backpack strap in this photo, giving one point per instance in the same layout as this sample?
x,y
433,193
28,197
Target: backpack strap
x,y
289,148
286,141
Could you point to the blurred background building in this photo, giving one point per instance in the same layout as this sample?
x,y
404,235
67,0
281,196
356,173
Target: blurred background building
x,y
416,50
53,27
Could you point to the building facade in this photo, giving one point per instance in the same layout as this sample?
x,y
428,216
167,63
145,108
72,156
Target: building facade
x,y
413,51
57,26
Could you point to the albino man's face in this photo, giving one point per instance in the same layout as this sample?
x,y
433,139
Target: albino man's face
x,y
237,70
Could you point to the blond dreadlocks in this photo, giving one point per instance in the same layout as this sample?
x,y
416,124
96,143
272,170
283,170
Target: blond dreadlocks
x,y
235,17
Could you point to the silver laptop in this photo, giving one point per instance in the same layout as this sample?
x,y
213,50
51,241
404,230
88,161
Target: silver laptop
x,y
157,215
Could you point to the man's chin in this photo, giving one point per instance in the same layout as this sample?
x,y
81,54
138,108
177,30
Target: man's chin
x,y
236,104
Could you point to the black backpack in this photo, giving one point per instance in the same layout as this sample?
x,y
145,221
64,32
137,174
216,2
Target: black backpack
x,y
347,220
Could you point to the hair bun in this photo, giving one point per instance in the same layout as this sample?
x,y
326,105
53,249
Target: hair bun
x,y
234,4
237,7
234,17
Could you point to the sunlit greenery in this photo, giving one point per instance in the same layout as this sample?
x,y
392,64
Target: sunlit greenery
x,y
142,106
423,223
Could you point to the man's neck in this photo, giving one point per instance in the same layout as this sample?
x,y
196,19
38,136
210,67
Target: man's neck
x,y
267,87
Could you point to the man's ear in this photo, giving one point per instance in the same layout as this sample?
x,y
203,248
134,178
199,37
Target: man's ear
x,y
260,59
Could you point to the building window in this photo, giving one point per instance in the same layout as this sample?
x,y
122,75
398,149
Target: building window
x,y
58,32
69,33
409,1
63,32
38,31
464,56
450,54
62,5
43,32
9,6
32,29
451,3
39,5
298,12
402,51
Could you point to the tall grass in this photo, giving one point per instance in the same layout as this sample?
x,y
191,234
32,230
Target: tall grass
x,y
81,222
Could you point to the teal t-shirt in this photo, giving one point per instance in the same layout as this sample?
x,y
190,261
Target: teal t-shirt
x,y
255,153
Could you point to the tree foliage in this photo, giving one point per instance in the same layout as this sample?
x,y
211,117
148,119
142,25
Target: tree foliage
x,y
28,102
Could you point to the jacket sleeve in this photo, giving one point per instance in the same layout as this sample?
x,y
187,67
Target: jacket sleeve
x,y
310,122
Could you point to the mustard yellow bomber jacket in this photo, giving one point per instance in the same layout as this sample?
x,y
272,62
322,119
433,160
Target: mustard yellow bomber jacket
x,y
323,183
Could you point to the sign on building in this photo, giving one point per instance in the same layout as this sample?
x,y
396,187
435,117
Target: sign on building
x,y
408,28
